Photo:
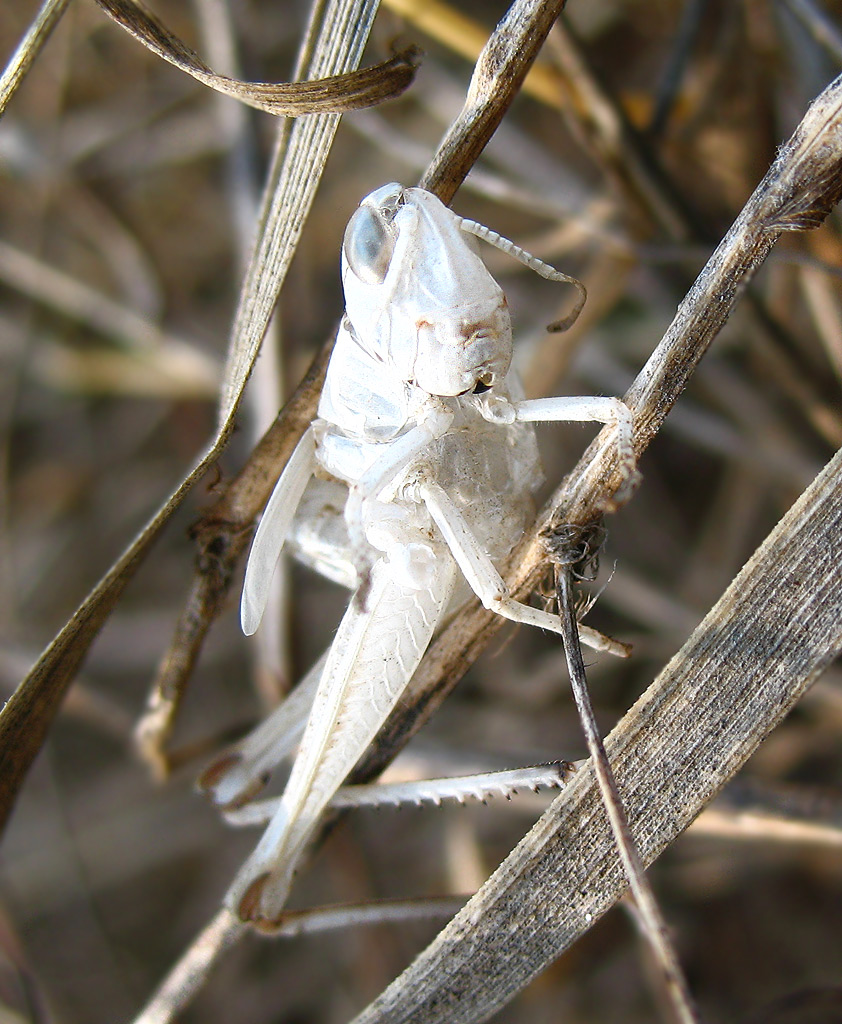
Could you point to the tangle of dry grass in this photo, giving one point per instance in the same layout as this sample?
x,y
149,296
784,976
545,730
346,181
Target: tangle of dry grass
x,y
642,141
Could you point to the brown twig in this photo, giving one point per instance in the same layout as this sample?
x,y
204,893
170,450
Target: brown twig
x,y
652,923
30,46
501,68
222,535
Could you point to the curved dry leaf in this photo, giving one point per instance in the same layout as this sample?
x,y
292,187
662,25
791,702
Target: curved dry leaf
x,y
332,94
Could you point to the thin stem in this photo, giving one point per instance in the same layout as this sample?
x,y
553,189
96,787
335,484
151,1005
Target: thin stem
x,y
225,929
653,925
192,970
30,46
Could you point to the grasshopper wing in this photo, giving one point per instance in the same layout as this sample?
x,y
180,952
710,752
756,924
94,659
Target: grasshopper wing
x,y
374,654
272,531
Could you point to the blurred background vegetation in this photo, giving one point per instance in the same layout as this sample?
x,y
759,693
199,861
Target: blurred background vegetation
x,y
125,191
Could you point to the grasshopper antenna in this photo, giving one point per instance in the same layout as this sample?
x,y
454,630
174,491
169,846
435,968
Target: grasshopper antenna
x,y
472,227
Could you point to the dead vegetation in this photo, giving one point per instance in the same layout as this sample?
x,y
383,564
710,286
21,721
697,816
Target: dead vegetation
x,y
129,203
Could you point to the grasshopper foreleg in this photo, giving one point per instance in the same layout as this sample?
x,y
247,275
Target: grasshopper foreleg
x,y
574,409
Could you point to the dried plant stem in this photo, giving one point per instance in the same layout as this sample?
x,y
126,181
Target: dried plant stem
x,y
222,536
500,70
29,47
651,920
271,654
817,22
191,971
765,828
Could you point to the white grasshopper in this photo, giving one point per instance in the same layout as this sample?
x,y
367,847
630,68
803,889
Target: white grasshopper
x,y
426,428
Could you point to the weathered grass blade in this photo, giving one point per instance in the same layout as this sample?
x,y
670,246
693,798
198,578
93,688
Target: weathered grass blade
x,y
292,182
771,634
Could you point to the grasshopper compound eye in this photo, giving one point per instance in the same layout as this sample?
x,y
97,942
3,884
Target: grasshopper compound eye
x,y
369,245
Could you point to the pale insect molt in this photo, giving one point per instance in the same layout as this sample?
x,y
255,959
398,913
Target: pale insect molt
x,y
423,422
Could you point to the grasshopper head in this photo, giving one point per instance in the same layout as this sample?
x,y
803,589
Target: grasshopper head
x,y
420,299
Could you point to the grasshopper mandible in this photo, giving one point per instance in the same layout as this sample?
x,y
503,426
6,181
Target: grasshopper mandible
x,y
424,424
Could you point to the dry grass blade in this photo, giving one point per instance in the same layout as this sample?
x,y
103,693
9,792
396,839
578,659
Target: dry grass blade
x,y
29,48
225,929
818,24
307,922
189,973
73,299
332,94
26,718
762,812
774,630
